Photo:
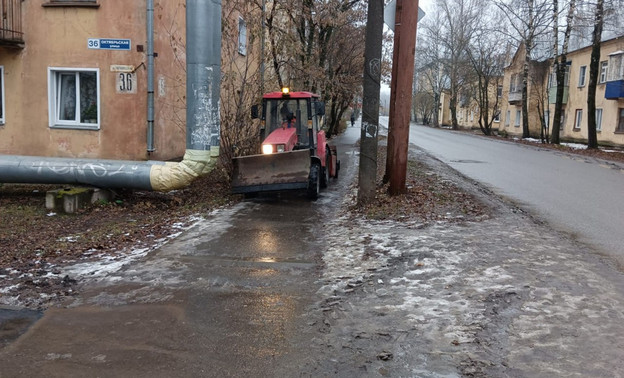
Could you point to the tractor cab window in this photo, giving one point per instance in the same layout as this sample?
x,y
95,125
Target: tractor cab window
x,y
288,113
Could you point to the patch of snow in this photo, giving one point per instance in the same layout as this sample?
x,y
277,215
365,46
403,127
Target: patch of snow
x,y
614,151
8,289
69,239
576,146
533,140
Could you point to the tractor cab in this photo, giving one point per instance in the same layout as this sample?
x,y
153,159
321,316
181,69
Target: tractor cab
x,y
301,111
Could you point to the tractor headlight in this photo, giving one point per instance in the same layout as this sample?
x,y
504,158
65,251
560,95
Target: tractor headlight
x,y
280,148
267,149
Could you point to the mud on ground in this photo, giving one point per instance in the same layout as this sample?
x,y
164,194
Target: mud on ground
x,y
34,242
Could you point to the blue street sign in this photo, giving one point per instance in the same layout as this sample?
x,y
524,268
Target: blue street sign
x,y
109,44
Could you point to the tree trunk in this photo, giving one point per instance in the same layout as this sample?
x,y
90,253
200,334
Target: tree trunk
x,y
592,137
525,99
561,65
453,105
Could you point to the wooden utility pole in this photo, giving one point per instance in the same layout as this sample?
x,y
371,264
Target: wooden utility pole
x,y
370,102
406,18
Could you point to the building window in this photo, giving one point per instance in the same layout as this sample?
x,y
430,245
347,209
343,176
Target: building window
x,y
547,119
598,119
620,125
603,71
1,95
73,96
582,72
499,91
518,116
497,115
242,36
552,79
515,84
508,118
562,122
578,119
614,72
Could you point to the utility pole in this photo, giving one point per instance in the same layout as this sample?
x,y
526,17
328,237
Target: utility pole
x,y
370,102
406,18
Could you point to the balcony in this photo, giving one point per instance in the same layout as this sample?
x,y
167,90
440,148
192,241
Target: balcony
x,y
614,90
11,24
552,95
515,98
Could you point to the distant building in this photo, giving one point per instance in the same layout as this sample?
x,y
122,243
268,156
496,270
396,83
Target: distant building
x,y
542,89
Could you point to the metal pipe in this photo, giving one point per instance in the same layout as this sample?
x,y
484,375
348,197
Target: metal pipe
x,y
203,74
150,76
101,173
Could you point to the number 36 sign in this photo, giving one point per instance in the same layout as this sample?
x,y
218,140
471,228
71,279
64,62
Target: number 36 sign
x,y
126,82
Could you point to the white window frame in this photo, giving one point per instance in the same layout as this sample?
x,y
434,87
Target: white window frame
x,y
598,119
518,118
582,76
578,119
604,66
2,108
547,119
242,36
54,121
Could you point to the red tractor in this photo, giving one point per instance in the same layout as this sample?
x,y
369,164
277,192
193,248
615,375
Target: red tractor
x,y
295,154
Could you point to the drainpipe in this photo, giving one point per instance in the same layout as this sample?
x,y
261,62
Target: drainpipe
x,y
203,38
150,76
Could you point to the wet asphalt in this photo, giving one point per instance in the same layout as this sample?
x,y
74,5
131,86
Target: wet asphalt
x,y
227,298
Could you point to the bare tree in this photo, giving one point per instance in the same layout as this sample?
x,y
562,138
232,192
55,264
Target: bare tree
x,y
318,46
461,18
528,20
488,61
429,61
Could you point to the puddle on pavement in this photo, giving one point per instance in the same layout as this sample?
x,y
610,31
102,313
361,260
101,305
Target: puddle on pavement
x,y
14,322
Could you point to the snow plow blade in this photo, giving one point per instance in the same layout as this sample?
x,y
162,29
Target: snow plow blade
x,y
273,172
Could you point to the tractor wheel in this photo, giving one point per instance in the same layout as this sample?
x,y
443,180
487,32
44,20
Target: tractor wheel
x,y
325,176
314,182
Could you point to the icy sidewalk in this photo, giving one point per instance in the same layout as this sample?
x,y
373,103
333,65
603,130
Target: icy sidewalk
x,y
502,297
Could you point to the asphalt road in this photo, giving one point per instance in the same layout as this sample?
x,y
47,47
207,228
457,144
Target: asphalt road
x,y
583,197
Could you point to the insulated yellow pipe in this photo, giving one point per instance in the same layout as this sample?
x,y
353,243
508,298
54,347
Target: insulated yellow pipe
x,y
173,176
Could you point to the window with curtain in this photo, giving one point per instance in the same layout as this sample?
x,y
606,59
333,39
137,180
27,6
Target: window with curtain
x,y
74,98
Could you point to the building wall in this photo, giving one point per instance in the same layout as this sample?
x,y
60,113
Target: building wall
x,y
511,120
444,114
577,99
57,37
